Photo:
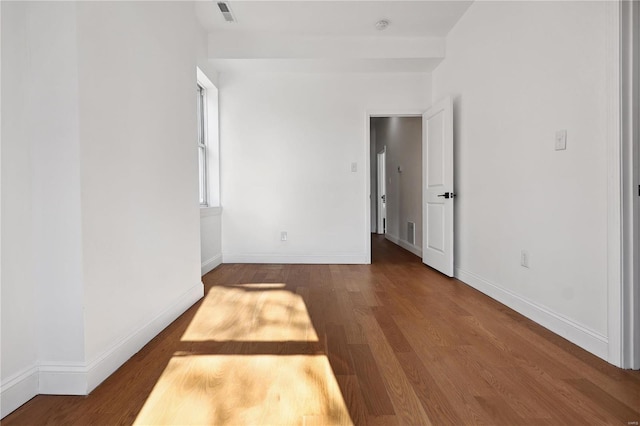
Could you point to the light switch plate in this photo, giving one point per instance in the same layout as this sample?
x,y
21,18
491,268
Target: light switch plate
x,y
561,140
354,167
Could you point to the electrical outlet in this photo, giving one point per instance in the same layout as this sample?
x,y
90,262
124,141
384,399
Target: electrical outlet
x,y
524,258
283,236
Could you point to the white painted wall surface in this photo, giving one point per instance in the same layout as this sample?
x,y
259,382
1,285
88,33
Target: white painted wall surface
x,y
202,53
287,144
54,143
210,238
48,259
18,310
403,138
139,170
100,175
537,68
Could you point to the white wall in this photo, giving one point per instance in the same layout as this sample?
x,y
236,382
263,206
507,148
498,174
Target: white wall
x,y
519,71
202,53
210,238
287,144
140,211
402,137
99,180
18,311
42,278
52,99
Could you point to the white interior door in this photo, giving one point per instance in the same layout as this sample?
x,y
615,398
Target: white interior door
x,y
437,186
382,192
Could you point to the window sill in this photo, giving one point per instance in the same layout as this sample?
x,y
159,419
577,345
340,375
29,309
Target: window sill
x,y
210,211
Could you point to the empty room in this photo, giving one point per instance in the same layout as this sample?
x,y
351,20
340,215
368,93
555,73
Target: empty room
x,y
320,212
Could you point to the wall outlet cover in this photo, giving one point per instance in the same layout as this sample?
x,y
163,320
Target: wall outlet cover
x,y
524,258
561,140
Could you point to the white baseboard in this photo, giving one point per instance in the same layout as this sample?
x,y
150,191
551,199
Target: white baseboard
x,y
211,264
582,336
57,379
104,365
342,259
80,379
404,244
18,389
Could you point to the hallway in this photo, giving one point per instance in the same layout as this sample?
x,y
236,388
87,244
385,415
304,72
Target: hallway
x,y
389,343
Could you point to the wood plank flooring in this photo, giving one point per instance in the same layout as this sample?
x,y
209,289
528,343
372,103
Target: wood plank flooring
x,y
392,343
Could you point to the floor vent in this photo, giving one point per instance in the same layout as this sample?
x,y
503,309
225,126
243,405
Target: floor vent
x,y
411,232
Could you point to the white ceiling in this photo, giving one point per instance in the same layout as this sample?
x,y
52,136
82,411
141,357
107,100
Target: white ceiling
x,y
336,18
308,36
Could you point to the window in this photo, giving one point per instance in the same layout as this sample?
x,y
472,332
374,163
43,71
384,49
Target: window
x,y
202,146
208,141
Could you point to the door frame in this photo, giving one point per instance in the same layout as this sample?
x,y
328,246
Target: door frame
x,y
624,303
367,175
381,225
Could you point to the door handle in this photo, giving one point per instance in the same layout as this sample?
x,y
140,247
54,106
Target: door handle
x,y
447,195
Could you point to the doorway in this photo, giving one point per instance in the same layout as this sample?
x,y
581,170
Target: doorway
x,y
395,147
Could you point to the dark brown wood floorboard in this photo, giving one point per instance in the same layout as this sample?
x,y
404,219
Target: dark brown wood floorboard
x,y
405,345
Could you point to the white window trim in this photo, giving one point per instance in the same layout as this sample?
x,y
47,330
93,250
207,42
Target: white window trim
x,y
202,145
210,211
212,146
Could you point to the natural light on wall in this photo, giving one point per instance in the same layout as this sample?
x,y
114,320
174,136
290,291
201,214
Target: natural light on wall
x,y
208,141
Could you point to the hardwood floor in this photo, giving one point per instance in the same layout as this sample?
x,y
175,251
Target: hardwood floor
x,y
389,343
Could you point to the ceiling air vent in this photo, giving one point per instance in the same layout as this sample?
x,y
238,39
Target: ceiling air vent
x,y
226,11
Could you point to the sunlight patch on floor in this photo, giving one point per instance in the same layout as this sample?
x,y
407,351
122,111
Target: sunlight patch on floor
x,y
250,358
246,390
251,312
